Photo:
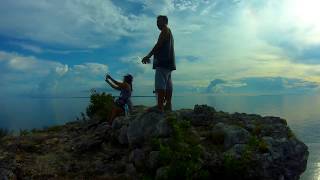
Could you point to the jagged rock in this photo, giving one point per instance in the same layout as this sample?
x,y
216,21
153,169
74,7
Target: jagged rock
x,y
123,138
123,151
120,121
102,131
204,109
153,160
237,150
232,134
162,173
145,126
185,114
287,158
6,174
203,115
273,120
137,157
131,171
87,143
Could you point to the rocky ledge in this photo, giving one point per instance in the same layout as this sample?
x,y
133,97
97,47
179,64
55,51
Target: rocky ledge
x,y
185,144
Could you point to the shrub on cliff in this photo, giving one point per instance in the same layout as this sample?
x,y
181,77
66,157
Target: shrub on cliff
x,y
180,157
100,105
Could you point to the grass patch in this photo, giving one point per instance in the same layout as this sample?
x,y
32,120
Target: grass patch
x,y
4,132
238,168
234,168
258,144
24,132
56,128
291,134
181,154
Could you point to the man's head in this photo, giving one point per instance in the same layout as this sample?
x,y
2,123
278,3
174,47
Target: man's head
x,y
162,21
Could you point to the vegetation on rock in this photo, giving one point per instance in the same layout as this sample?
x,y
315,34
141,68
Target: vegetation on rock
x,y
100,105
181,153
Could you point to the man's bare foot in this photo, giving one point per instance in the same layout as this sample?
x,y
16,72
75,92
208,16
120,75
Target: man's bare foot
x,y
168,107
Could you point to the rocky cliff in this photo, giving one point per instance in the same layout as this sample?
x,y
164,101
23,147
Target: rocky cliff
x,y
185,144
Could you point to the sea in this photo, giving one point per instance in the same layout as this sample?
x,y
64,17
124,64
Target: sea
x,y
302,113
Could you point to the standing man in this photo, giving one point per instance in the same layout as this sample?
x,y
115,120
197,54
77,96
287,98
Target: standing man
x,y
164,64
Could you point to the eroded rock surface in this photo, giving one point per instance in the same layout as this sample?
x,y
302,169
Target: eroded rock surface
x,y
235,146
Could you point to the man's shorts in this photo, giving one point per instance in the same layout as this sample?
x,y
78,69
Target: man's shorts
x,y
163,79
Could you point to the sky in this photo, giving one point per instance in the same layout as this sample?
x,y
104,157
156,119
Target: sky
x,y
65,47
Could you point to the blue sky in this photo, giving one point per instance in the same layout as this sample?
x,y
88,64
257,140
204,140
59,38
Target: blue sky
x,y
65,47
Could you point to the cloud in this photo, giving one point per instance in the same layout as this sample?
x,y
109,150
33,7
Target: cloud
x,y
290,25
308,55
213,84
219,86
39,50
158,6
214,39
27,75
75,23
29,47
261,85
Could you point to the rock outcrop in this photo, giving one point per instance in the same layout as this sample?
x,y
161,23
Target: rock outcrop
x,y
195,144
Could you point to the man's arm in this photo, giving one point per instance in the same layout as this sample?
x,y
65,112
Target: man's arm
x,y
164,35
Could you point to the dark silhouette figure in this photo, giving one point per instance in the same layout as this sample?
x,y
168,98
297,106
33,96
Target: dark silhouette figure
x,y
125,89
164,64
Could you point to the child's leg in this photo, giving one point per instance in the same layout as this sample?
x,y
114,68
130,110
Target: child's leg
x,y
116,111
111,115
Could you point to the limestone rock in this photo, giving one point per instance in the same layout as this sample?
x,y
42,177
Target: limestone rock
x,y
145,126
233,134
94,149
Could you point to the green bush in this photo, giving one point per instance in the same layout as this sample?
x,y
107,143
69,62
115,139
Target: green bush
x,y
236,168
290,134
100,105
181,154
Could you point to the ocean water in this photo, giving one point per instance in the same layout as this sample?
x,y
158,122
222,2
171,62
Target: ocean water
x,y
301,112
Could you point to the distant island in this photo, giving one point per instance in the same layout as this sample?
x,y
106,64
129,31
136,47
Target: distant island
x,y
199,143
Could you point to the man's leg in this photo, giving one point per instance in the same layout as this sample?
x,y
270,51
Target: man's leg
x,y
168,97
160,86
160,99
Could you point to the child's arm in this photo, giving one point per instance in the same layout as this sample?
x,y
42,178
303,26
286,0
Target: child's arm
x,y
119,84
112,85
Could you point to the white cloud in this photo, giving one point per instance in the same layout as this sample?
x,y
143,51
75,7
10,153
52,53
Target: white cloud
x,y
39,50
76,23
22,75
28,47
157,6
261,85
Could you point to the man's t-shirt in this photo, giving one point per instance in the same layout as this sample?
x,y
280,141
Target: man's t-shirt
x,y
165,57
